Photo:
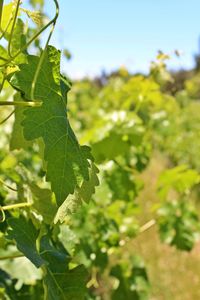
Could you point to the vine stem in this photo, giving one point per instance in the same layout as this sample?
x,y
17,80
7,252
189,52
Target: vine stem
x,y
14,206
11,256
2,83
13,26
1,10
147,225
3,58
19,103
11,206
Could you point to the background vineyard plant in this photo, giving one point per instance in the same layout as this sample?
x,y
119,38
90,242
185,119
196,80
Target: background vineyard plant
x,y
72,163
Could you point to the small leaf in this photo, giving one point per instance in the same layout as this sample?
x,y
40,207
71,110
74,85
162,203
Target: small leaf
x,y
35,16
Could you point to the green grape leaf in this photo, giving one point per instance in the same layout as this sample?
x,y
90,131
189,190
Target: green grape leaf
x,y
17,140
66,284
68,207
3,54
123,184
35,16
25,235
83,194
6,20
67,161
110,147
61,282
87,188
42,202
133,285
18,41
180,179
179,224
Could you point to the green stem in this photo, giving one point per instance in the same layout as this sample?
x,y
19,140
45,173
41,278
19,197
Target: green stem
x,y
35,36
3,81
14,206
11,256
1,10
13,27
3,58
20,103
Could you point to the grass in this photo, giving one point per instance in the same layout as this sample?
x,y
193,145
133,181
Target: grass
x,y
174,275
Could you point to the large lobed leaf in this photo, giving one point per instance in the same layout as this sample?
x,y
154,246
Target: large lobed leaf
x,y
67,161
60,282
25,235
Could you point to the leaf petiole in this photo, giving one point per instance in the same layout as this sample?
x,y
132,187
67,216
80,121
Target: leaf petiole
x,y
20,103
11,256
14,206
12,29
1,10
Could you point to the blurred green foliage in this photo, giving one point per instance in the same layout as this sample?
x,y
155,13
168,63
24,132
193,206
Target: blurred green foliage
x,y
77,248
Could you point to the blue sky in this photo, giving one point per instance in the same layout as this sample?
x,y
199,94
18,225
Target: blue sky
x,y
106,34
